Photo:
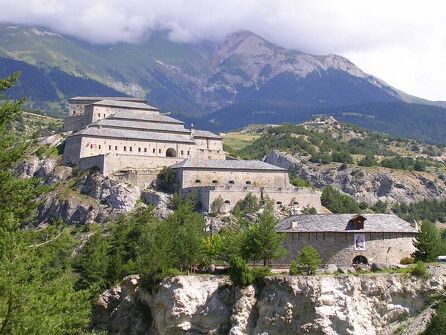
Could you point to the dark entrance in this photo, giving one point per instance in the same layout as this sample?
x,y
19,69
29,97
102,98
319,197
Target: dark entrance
x,y
360,260
171,152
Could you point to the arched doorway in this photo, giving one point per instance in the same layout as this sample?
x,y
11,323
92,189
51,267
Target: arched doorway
x,y
171,152
360,260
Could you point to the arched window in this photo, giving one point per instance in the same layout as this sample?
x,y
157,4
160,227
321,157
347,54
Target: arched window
x,y
279,202
248,182
214,182
227,202
197,181
231,182
171,152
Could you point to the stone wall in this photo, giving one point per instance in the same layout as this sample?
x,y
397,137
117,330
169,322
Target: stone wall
x,y
110,163
73,122
95,112
299,198
338,247
72,150
233,178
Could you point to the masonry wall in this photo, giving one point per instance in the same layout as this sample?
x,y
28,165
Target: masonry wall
x,y
233,178
94,112
209,148
292,197
111,163
338,248
73,122
72,150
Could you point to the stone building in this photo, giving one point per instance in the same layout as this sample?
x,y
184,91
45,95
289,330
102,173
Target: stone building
x,y
232,180
75,120
126,135
346,239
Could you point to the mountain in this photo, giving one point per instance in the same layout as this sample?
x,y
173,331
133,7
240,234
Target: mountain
x,y
240,80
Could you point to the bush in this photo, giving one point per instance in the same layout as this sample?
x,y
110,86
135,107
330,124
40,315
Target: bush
x,y
240,273
166,180
309,210
342,157
308,260
294,270
368,160
217,205
437,325
407,260
260,273
419,270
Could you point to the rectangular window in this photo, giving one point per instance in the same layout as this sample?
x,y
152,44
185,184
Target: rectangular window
x,y
145,149
139,149
159,151
188,153
130,148
125,148
109,147
116,147
99,146
182,152
99,114
153,150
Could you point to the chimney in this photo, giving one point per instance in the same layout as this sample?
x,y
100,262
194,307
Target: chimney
x,y
192,131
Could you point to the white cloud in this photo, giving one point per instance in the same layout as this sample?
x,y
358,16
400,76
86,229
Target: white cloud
x,y
401,41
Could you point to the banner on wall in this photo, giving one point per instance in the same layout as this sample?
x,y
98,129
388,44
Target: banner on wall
x,y
359,241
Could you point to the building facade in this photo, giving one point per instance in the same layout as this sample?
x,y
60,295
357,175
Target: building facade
x,y
117,135
346,239
232,180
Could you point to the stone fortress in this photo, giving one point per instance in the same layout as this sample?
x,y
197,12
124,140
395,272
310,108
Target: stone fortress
x,y
131,140
128,138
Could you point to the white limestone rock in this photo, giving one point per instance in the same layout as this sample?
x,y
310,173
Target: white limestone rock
x,y
47,166
27,168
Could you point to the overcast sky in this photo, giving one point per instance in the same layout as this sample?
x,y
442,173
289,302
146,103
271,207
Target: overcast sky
x,y
400,41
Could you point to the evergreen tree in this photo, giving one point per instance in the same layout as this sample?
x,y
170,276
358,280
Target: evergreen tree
x,y
262,241
308,260
427,243
337,202
437,324
36,281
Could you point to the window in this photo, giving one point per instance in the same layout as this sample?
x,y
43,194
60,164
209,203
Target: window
x,y
99,146
159,151
139,149
116,147
248,182
231,182
279,202
99,114
227,202
109,147
145,149
130,148
153,150
125,148
182,152
197,181
91,146
188,152
214,182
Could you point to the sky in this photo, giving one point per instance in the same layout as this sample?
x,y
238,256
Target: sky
x,y
402,42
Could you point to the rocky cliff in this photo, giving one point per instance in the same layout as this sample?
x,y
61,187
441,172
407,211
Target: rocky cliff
x,y
368,184
345,304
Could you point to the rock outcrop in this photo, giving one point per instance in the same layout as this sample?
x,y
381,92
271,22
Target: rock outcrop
x,y
203,304
369,184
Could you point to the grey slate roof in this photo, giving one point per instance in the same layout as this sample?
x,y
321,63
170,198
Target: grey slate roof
x,y
139,125
206,134
223,164
124,104
144,116
132,134
339,223
93,99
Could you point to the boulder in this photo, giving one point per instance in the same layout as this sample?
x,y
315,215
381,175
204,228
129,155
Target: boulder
x,y
330,268
60,173
46,167
346,269
378,267
27,168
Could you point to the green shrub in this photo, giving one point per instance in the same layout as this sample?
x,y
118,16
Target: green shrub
x,y
166,180
309,210
260,273
437,324
308,260
294,270
368,160
407,260
419,270
240,274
